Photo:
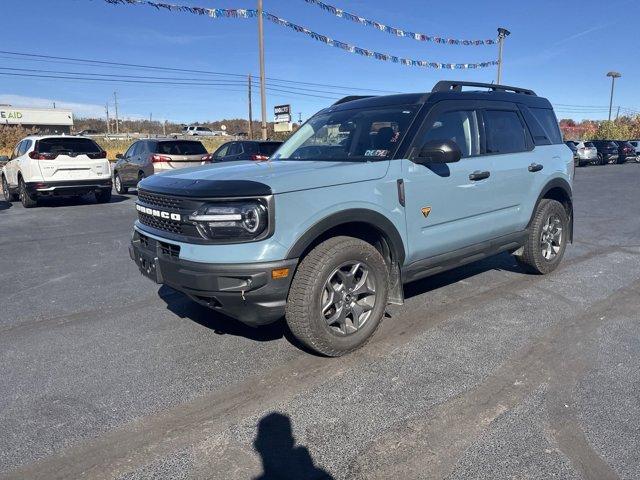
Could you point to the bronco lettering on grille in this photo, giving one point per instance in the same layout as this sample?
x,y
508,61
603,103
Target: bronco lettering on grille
x,y
159,213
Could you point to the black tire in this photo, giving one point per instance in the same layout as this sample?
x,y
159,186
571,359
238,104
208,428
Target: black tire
x,y
304,312
6,192
601,160
28,200
103,196
582,164
117,183
532,258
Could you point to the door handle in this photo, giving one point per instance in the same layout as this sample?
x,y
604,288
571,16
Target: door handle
x,y
535,167
478,175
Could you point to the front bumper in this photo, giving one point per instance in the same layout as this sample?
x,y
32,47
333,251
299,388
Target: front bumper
x,y
68,187
246,292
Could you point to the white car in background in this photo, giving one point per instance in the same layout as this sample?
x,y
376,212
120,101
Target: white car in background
x,y
55,165
197,131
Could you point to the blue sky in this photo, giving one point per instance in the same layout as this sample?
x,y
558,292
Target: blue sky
x,y
561,49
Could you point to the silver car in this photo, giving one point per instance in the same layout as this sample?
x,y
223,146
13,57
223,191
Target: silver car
x,y
147,157
583,152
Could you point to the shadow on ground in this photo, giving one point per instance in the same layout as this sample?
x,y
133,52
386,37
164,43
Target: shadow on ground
x,y
184,307
54,202
281,457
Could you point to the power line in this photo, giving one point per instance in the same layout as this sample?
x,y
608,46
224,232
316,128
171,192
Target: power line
x,y
182,70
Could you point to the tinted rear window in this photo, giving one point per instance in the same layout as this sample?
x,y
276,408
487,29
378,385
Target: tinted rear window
x,y
547,119
181,147
589,145
68,145
504,132
269,148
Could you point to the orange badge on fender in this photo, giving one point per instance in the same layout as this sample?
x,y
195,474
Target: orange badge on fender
x,y
425,211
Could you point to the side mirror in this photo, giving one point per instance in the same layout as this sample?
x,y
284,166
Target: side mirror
x,y
439,151
119,156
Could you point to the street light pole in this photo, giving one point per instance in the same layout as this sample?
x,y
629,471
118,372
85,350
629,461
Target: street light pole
x,y
263,96
502,34
613,76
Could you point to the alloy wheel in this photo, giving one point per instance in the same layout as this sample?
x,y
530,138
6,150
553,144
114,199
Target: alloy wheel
x,y
5,189
551,237
348,297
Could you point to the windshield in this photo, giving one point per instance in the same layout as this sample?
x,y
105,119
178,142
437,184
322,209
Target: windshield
x,y
353,135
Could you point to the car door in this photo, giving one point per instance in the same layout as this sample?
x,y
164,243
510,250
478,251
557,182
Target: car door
x,y
126,171
11,166
140,157
515,165
234,152
450,206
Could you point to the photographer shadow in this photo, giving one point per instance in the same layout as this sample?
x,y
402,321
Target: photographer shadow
x,y
281,457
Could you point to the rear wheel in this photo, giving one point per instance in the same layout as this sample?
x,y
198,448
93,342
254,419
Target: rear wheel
x,y
28,200
338,296
103,196
6,192
117,182
547,240
601,160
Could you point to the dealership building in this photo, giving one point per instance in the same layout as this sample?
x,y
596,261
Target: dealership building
x,y
44,120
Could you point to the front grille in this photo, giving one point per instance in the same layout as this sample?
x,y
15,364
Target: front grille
x,y
160,223
157,200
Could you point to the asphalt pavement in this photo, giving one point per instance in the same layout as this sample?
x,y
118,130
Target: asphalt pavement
x,y
485,372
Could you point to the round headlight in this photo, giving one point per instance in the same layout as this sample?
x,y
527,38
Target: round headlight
x,y
252,218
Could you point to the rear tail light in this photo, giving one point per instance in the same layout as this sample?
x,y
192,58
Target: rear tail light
x,y
581,149
207,158
42,156
97,155
259,158
159,159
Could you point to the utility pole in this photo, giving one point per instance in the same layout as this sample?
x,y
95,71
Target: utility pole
x,y
613,76
250,111
263,95
502,34
106,109
300,118
115,98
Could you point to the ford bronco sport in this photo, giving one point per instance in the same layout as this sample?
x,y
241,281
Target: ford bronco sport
x,y
369,194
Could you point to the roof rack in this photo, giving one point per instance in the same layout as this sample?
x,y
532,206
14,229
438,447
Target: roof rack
x,y
351,98
454,86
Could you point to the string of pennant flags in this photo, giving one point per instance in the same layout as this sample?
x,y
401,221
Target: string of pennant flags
x,y
398,32
252,13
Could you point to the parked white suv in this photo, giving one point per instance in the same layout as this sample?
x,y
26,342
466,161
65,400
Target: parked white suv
x,y
56,165
198,131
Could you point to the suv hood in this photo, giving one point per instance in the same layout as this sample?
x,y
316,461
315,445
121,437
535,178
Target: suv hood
x,y
248,178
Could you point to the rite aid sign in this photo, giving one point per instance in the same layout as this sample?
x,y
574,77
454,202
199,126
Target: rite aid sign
x,y
35,116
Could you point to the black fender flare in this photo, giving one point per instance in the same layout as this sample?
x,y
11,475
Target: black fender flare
x,y
562,184
353,215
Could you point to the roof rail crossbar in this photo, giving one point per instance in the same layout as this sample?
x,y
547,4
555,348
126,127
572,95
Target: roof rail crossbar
x,y
449,85
351,98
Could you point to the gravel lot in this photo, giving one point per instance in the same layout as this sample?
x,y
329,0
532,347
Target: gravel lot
x,y
485,372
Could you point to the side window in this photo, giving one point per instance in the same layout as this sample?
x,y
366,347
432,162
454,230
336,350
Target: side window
x,y
24,146
235,149
548,120
460,126
16,151
130,152
222,151
504,132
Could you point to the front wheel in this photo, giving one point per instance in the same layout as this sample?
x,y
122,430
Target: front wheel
x,y
6,192
117,182
338,296
547,240
28,200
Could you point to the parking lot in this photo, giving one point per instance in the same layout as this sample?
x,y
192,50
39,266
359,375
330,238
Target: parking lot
x,y
485,372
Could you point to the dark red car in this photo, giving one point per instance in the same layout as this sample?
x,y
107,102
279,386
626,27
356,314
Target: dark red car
x,y
625,151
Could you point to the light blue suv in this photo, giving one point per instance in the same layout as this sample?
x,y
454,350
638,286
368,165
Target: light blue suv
x,y
369,194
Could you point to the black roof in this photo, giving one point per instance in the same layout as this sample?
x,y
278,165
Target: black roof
x,y
447,90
